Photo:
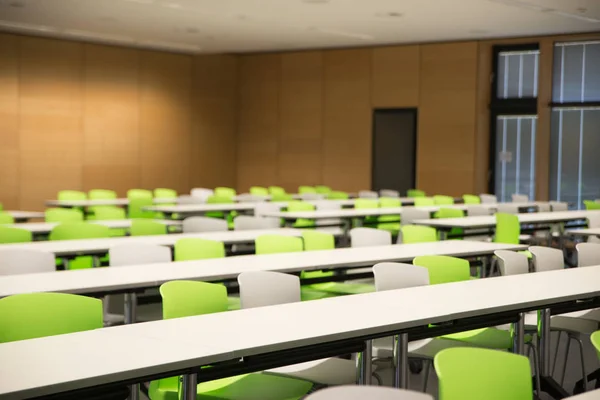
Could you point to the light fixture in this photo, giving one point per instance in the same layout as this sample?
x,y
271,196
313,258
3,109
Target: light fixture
x,y
546,10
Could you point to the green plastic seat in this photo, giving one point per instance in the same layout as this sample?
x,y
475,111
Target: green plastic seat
x,y
389,222
198,249
14,235
595,338
271,244
79,230
471,374
508,228
189,298
34,315
102,194
273,190
415,193
337,195
591,205
315,240
259,191
63,215
424,201
6,218
163,193
471,199
220,199
281,197
306,189
418,234
225,192
111,213
441,200
451,213
137,205
139,194
445,269
297,205
71,195
322,189
144,227
367,204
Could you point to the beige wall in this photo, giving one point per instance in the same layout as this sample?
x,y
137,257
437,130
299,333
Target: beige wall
x,y
82,116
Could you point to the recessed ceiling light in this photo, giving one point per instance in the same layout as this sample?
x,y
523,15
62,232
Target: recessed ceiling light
x,y
392,14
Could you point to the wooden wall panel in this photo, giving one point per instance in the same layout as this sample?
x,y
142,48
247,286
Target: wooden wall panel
x,y
214,123
110,119
51,140
9,121
258,131
347,119
446,140
395,80
165,120
482,128
301,117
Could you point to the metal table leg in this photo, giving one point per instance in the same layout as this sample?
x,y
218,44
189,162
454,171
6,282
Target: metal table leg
x,y
400,352
188,387
549,385
130,314
363,364
518,334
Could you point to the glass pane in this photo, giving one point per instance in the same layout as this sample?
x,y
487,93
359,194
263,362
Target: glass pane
x,y
513,76
517,74
592,72
576,72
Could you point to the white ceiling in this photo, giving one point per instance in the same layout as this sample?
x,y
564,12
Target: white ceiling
x,y
211,26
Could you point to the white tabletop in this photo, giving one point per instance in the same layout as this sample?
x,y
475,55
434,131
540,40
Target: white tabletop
x,y
490,221
341,213
23,215
152,275
202,208
591,395
46,227
103,202
44,366
95,246
584,232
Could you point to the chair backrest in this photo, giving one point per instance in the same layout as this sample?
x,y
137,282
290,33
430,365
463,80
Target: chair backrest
x,y
440,200
507,208
259,191
595,339
364,237
488,198
464,373
276,190
449,213
63,215
102,194
109,213
471,199
204,224
389,193
262,208
138,253
189,199
267,288
588,254
71,195
34,315
306,189
547,259
424,201
391,276
281,197
544,207
250,198
559,206
315,240
410,214
366,203
164,193
311,196
417,234
511,262
14,235
354,392
296,205
23,261
189,298
367,194
248,222
143,227
202,193
322,189
216,199
327,205
187,249
139,194
337,195
136,205
6,218
508,228
225,192
415,193
444,269
591,205
79,230
387,202
477,210
520,198
270,244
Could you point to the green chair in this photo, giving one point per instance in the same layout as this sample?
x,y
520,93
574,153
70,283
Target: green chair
x,y
424,201
508,228
63,215
366,204
297,205
162,193
137,205
467,373
418,234
71,195
14,235
441,200
315,240
595,339
79,230
591,205
451,213
471,199
271,244
139,194
102,194
111,213
6,218
337,195
225,192
34,315
321,189
144,227
198,249
259,191
273,190
281,197
306,189
189,298
219,199
389,222
415,193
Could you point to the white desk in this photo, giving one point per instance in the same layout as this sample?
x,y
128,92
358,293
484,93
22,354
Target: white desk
x,y
584,232
23,216
42,228
45,366
104,202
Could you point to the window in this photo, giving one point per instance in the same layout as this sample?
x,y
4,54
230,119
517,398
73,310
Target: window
x,y
575,129
514,120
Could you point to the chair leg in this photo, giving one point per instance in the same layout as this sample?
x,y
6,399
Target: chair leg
x,y
564,370
378,378
426,374
536,369
556,351
583,371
